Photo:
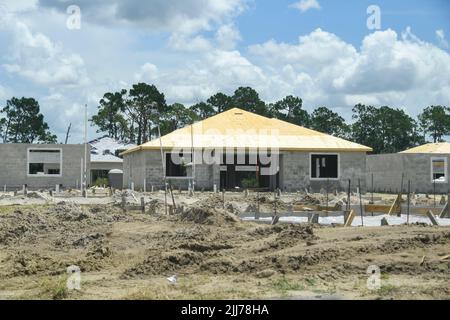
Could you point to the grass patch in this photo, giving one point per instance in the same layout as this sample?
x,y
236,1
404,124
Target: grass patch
x,y
311,282
386,290
284,285
54,288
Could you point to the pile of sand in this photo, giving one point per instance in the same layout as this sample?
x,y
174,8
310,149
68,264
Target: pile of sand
x,y
211,216
209,212
68,212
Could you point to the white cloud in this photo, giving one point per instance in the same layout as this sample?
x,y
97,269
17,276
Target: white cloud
x,y
148,72
12,6
35,57
182,16
217,70
189,66
323,69
3,94
188,43
440,35
227,36
305,5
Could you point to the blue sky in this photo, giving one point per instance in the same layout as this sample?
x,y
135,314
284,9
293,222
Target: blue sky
x,y
319,50
274,19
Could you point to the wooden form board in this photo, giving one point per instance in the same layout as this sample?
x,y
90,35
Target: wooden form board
x,y
315,207
382,208
385,208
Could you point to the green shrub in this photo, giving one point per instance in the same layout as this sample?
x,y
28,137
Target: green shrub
x,y
249,183
101,182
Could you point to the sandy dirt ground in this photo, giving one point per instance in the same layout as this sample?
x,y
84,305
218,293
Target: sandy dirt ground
x,y
215,255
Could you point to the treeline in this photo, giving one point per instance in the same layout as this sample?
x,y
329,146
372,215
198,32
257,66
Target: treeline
x,y
133,115
22,122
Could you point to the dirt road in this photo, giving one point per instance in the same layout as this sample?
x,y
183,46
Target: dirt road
x,y
214,255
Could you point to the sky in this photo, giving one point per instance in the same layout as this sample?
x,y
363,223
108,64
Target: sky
x,y
330,53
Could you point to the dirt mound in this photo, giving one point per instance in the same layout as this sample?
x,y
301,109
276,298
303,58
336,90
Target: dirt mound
x,y
165,263
196,233
68,222
219,265
19,225
209,215
87,239
296,232
203,247
286,231
28,263
286,236
68,212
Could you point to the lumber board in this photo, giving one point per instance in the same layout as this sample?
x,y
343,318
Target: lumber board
x,y
444,213
350,218
423,211
315,207
382,208
432,218
397,205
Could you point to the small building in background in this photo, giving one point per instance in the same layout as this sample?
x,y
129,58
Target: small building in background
x,y
105,156
115,177
425,166
41,166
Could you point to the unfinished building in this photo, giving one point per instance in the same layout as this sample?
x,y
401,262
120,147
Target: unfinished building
x,y
239,149
426,167
105,156
41,165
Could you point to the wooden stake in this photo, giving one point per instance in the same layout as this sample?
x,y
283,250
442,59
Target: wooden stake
x,y
396,206
432,218
124,203
360,203
223,198
257,206
171,193
409,200
348,194
350,218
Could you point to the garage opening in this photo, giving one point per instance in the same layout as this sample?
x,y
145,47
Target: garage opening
x,y
324,166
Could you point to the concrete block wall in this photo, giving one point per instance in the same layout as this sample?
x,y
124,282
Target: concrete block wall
x,y
13,166
147,164
387,172
134,170
296,172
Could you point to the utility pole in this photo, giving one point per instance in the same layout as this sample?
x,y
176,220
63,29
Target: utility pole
x,y
85,149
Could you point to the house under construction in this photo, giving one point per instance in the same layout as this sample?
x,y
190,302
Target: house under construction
x,y
239,149
425,167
